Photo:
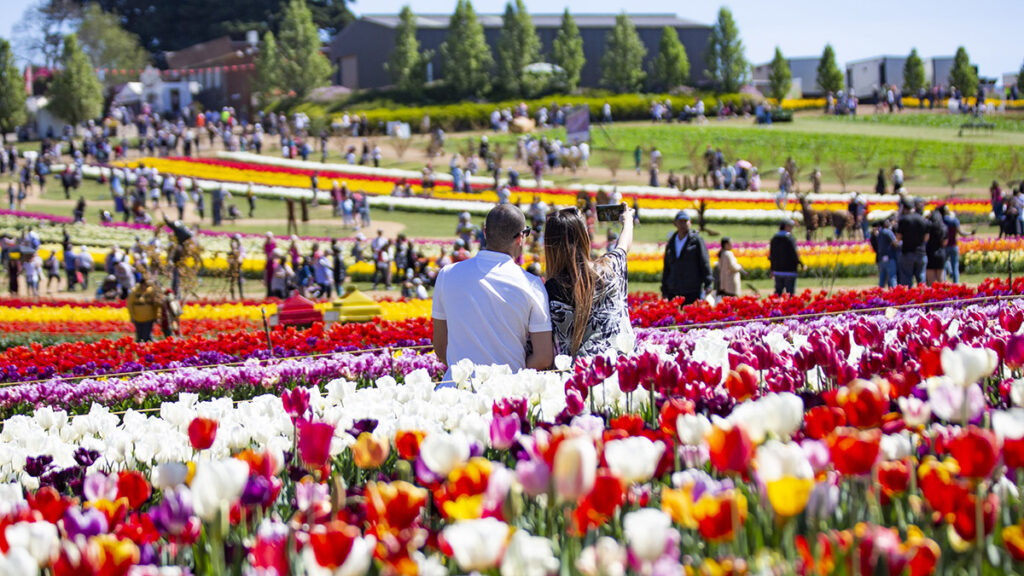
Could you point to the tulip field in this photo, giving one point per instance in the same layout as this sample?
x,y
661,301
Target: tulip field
x,y
859,432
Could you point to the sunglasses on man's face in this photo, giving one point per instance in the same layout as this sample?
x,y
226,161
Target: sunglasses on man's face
x,y
526,232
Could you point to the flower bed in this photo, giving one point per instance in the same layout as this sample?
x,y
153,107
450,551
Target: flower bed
x,y
411,326
854,445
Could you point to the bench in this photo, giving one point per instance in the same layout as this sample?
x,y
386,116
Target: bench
x,y
976,125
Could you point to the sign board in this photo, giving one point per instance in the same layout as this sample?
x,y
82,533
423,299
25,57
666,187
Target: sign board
x,y
577,125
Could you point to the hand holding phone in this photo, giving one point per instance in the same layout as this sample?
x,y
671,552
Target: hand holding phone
x,y
610,212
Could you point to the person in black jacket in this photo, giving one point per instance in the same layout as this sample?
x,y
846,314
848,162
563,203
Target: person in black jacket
x,y
687,268
784,259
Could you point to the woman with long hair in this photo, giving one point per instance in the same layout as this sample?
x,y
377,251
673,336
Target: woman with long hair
x,y
587,296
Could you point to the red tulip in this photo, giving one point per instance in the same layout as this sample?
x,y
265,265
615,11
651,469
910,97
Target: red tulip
x,y
853,451
976,450
1013,452
332,542
597,507
864,403
730,449
131,484
894,477
315,442
671,410
202,432
820,421
742,383
965,520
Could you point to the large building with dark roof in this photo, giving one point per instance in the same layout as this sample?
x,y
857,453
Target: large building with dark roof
x,y
360,51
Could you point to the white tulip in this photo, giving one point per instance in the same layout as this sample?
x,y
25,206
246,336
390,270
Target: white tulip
x,y
442,452
916,412
477,544
18,562
575,468
605,558
895,446
169,475
39,539
775,460
216,485
647,532
1017,392
633,459
528,555
966,365
1008,424
691,428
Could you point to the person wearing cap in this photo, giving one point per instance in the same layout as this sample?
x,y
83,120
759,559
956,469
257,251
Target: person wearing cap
x,y
912,233
784,259
686,272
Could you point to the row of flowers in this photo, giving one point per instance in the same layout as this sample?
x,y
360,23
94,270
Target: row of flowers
x,y
199,319
857,445
654,203
646,310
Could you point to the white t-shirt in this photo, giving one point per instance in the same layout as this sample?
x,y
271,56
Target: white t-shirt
x,y
491,306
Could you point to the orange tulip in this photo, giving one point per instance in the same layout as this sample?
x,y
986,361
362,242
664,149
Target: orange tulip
x,y
407,443
369,452
730,449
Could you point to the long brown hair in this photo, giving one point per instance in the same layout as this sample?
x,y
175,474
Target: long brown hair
x,y
567,255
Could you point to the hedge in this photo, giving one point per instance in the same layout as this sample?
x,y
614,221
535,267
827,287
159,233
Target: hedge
x,y
475,116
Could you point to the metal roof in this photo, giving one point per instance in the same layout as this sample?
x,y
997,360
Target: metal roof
x,y
543,20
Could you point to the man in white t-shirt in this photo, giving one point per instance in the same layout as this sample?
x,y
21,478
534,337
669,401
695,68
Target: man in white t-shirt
x,y
488,309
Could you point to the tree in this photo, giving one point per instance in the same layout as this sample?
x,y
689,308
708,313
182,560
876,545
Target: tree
x,y
12,92
913,73
830,77
567,51
159,25
963,76
268,70
76,94
302,66
624,57
780,78
518,46
407,64
727,64
1020,79
671,66
42,27
465,54
106,43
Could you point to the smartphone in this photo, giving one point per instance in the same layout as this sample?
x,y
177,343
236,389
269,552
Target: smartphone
x,y
610,212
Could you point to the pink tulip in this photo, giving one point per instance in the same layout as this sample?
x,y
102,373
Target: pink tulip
x,y
315,442
296,403
1015,351
504,431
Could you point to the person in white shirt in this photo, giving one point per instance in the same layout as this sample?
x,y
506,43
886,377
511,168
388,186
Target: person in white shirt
x,y
487,309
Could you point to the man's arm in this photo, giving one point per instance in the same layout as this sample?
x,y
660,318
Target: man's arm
x,y
543,350
705,262
440,340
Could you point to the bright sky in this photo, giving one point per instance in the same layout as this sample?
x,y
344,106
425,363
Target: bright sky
x,y
864,28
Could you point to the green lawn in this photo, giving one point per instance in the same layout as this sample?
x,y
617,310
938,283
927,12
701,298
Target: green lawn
x,y
862,146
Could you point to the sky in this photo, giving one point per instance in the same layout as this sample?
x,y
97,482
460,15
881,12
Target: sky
x,y
989,29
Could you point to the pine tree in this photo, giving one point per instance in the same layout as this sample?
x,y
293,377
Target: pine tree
x,y
963,76
830,77
567,51
407,64
12,92
302,66
518,46
913,73
268,70
671,66
76,94
465,54
727,64
780,78
624,57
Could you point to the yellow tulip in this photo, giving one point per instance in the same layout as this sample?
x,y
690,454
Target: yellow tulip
x,y
789,495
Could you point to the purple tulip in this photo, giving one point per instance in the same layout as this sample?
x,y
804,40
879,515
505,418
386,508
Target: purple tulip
x,y
171,516
88,522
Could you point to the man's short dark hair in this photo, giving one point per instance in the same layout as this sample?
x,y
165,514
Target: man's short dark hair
x,y
504,222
